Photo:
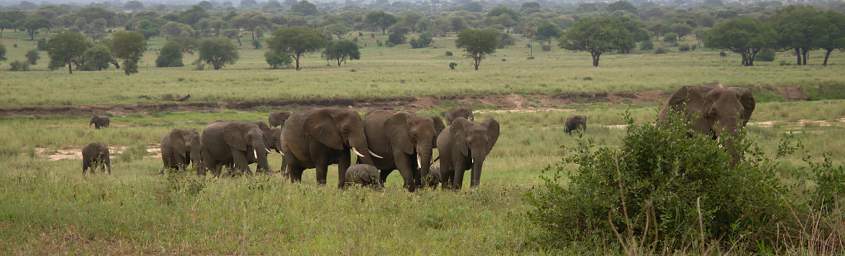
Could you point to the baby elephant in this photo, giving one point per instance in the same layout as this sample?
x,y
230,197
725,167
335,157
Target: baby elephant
x,y
95,155
433,177
575,123
364,175
99,121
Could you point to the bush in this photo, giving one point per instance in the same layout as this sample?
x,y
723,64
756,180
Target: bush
x,y
395,38
453,65
670,38
256,44
19,66
449,54
423,41
32,56
660,50
684,48
647,45
767,55
96,58
170,55
277,59
546,48
665,187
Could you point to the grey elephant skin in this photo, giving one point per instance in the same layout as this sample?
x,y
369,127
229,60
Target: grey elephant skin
x,y
363,175
321,137
574,123
711,110
465,145
99,121
234,144
181,147
405,141
453,114
277,119
433,178
94,156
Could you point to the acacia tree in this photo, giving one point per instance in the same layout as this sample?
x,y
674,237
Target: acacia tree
x,y
597,35
478,43
833,34
547,31
33,23
381,20
295,42
66,48
798,28
130,47
218,52
745,36
342,50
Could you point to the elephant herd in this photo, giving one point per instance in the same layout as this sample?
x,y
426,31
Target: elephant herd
x,y
385,140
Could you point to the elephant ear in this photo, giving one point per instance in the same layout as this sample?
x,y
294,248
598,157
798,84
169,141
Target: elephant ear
x,y
458,130
320,125
688,99
438,127
178,141
234,136
746,98
492,131
398,132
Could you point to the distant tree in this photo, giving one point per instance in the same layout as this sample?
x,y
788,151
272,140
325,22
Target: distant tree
x,y
133,6
797,27
252,22
478,43
2,52
295,42
547,31
622,6
647,45
380,20
272,5
95,58
681,29
596,35
530,7
193,15
170,55
409,20
130,47
505,40
32,56
277,59
33,23
832,36
218,52
670,38
397,36
174,29
66,48
745,36
206,5
248,4
304,8
503,16
423,41
341,51
338,30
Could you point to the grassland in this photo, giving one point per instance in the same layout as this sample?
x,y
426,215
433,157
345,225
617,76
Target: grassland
x,y
48,207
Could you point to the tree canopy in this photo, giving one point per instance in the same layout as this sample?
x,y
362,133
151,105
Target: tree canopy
x,y
295,42
745,36
218,52
341,51
597,35
66,48
380,20
478,43
130,47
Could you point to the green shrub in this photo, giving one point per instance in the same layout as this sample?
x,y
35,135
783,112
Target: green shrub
x,y
449,54
663,186
670,38
170,55
277,59
423,41
830,184
660,50
96,58
19,66
647,45
41,45
32,56
767,55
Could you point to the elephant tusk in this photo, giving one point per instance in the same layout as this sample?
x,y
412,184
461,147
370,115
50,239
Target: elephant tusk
x,y
254,154
374,154
357,153
419,164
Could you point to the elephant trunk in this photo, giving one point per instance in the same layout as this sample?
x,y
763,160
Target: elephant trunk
x,y
261,155
477,163
196,154
424,159
359,147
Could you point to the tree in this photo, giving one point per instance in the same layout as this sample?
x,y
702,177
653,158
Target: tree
x,y
337,29
670,38
681,29
95,58
797,27
295,42
170,55
277,59
380,20
832,35
397,35
10,19
252,22
248,4
341,51
304,8
174,29
66,48
193,15
478,43
746,36
33,23
423,41
597,35
218,52
130,47
32,56
547,31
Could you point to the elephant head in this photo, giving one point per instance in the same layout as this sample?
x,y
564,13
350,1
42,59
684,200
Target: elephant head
x,y
712,110
438,127
187,141
453,114
247,137
272,136
413,135
474,141
340,129
278,118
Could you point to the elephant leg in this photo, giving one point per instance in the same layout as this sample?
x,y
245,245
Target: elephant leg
x,y
321,163
179,161
343,164
446,173
85,165
403,163
108,165
240,161
383,175
458,178
475,176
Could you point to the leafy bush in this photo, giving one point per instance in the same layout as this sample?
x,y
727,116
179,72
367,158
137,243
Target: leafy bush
x,y
453,65
449,54
19,66
660,50
96,58
423,41
170,55
395,38
670,38
684,48
505,40
32,56
767,55
830,184
277,59
647,45
665,187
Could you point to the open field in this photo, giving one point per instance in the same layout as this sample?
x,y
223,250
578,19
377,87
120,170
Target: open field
x,y
48,207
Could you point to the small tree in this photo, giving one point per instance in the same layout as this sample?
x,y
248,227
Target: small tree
x,y
66,48
381,20
295,42
478,43
277,59
547,31
33,23
746,36
342,50
596,35
170,55
670,38
423,41
833,35
218,52
95,58
32,56
130,47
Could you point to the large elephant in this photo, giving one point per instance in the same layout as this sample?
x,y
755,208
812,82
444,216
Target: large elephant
x,y
320,137
181,147
465,145
406,142
233,144
711,110
99,121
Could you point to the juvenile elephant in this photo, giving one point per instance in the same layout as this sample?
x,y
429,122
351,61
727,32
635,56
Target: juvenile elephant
x,y
405,140
576,122
277,119
711,110
433,178
99,121
363,175
320,137
233,144
465,145
96,155
181,147
453,114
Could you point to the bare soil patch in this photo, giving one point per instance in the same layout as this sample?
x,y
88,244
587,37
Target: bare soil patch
x,y
75,153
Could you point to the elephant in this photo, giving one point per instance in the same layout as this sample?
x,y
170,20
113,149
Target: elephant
x,y
99,121
405,140
320,137
712,110
234,144
363,175
576,122
277,119
433,178
181,147
96,155
453,114
465,145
